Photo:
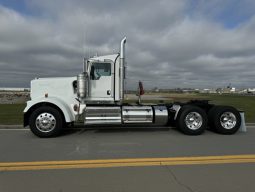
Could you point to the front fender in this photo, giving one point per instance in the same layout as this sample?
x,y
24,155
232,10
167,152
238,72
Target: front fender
x,y
65,109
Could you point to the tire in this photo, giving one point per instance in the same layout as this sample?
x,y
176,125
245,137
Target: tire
x,y
225,120
46,122
192,120
211,118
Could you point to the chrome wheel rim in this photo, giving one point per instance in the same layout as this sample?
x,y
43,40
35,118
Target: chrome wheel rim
x,y
45,122
228,120
193,120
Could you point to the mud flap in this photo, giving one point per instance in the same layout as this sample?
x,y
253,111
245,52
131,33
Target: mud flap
x,y
242,128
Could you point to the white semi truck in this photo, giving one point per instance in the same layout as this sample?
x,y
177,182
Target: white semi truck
x,y
96,97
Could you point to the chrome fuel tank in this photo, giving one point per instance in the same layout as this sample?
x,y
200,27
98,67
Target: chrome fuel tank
x,y
102,115
137,114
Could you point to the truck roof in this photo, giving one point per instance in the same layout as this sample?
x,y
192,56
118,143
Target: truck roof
x,y
104,57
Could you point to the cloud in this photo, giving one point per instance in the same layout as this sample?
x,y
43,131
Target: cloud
x,y
170,43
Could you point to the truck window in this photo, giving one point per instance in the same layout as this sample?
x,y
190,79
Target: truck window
x,y
100,69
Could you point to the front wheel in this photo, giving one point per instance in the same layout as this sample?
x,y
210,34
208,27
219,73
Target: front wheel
x,y
46,122
192,120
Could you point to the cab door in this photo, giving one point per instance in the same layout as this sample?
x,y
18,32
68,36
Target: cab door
x,y
101,81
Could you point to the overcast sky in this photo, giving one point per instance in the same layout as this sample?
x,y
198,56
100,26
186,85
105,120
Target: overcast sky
x,y
170,43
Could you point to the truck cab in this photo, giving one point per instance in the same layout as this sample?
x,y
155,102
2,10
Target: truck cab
x,y
103,78
103,74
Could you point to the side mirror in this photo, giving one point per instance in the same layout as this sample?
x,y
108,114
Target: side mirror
x,y
97,76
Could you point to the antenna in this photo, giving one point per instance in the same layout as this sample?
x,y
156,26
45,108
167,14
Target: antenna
x,y
84,41
86,49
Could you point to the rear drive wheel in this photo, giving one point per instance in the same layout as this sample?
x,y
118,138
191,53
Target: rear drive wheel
x,y
46,122
226,120
192,120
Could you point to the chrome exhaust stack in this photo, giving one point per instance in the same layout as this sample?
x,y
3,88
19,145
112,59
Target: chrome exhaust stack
x,y
122,48
122,67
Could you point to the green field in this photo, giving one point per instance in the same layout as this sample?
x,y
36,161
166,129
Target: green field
x,y
12,113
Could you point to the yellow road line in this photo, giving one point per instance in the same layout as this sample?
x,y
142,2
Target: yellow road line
x,y
44,165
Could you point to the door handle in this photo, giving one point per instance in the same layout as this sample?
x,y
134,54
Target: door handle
x,y
108,92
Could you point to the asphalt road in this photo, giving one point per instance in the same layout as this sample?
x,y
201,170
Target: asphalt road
x,y
93,144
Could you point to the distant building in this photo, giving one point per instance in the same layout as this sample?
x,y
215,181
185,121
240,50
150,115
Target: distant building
x,y
232,90
251,90
229,90
14,89
205,91
219,90
156,90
